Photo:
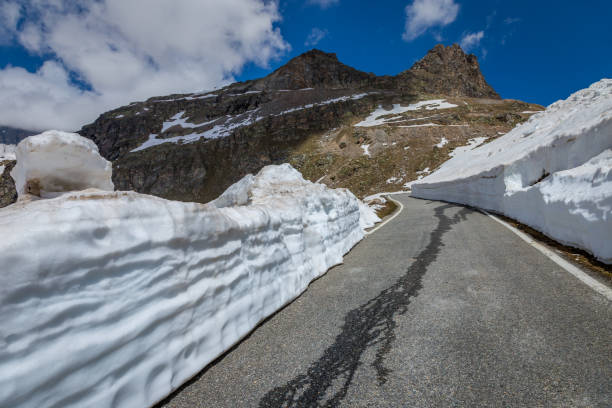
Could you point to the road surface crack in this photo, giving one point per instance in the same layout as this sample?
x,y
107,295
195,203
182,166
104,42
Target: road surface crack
x,y
372,324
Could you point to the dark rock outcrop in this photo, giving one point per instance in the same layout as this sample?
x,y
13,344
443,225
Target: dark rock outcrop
x,y
8,193
314,69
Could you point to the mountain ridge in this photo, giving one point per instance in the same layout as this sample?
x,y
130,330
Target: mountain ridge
x,y
444,69
191,147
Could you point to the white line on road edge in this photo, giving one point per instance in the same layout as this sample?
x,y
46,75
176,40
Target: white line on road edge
x,y
583,277
401,207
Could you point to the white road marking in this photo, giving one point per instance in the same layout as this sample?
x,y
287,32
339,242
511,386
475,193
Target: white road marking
x,y
583,277
401,207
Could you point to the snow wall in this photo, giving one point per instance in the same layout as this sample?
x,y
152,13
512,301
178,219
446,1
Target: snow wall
x,y
553,173
115,299
56,162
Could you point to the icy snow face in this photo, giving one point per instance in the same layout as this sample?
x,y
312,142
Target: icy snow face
x,y
7,152
515,174
134,294
376,118
55,162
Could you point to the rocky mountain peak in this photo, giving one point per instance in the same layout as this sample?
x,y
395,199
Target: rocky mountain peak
x,y
314,69
450,71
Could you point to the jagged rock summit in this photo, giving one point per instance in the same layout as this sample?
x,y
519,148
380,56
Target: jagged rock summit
x,y
445,70
314,69
450,71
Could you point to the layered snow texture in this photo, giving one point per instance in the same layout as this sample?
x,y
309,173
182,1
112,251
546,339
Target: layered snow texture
x,y
553,173
56,162
114,299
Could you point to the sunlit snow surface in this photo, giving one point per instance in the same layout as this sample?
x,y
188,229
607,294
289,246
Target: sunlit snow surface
x,y
377,118
554,172
114,299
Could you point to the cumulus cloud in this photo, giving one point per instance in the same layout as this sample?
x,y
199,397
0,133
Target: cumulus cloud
x,y
471,40
424,14
126,50
315,36
324,3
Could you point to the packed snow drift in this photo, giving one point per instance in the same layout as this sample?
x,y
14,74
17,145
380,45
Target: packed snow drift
x,y
553,173
55,162
114,299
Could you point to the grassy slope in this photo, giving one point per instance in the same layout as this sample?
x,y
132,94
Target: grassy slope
x,y
397,154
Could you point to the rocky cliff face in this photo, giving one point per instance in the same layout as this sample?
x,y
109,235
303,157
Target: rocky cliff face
x,y
191,147
449,71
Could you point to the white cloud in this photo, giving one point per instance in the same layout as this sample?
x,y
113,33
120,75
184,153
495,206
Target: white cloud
x,y
424,14
128,50
9,17
471,40
315,36
324,3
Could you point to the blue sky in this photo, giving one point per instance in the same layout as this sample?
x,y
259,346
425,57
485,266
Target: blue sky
x,y
62,63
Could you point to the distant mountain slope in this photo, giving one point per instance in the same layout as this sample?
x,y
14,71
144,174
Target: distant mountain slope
x,y
193,146
9,135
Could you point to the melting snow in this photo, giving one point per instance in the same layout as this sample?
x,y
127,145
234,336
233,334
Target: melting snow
x,y
472,144
222,127
442,143
375,118
366,149
327,102
421,125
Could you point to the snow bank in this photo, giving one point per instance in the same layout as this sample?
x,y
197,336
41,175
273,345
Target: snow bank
x,y
114,299
55,162
553,172
7,152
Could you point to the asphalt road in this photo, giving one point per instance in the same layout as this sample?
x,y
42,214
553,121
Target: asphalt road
x,y
442,307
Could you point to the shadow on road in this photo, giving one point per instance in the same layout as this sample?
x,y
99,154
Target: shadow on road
x,y
327,380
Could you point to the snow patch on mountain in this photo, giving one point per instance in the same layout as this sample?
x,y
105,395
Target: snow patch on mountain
x,y
327,102
377,118
221,127
553,173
